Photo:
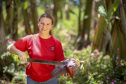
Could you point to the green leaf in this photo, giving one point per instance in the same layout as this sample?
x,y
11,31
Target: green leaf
x,y
25,4
102,11
113,9
122,64
11,68
82,68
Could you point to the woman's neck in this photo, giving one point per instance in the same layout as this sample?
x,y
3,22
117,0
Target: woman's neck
x,y
44,36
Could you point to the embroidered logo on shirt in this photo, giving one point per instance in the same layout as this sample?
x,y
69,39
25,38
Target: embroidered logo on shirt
x,y
52,49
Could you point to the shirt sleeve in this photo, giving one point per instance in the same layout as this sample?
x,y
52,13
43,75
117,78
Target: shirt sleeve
x,y
21,44
59,56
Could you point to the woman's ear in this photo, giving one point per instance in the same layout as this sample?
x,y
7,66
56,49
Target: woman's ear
x,y
52,25
38,24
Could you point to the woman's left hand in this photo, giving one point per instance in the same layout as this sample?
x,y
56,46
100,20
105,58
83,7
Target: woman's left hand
x,y
66,75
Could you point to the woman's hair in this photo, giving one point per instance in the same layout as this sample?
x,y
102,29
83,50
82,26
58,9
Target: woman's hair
x,y
47,16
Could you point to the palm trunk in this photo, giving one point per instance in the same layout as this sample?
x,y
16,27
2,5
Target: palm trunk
x,y
123,16
26,21
118,39
102,35
118,33
100,29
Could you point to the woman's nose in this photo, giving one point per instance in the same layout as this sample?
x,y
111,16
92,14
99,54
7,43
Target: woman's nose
x,y
44,26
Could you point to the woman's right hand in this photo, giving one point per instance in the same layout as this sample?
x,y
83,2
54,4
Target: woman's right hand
x,y
21,56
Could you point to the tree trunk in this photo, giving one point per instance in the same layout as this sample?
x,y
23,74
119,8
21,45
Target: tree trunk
x,y
61,11
9,17
102,34
87,21
67,12
119,44
15,22
48,10
34,15
84,38
94,15
55,10
77,39
119,34
2,33
79,18
2,41
26,21
123,16
100,29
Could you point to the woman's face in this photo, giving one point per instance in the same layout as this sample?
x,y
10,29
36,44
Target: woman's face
x,y
45,25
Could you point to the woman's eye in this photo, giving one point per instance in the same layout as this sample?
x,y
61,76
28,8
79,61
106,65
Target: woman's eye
x,y
42,23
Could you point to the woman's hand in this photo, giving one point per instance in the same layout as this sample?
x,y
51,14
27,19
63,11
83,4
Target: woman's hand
x,y
21,56
66,75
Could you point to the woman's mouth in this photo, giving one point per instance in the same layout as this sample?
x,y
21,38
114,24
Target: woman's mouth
x,y
43,29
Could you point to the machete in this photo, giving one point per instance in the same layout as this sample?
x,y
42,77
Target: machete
x,y
48,62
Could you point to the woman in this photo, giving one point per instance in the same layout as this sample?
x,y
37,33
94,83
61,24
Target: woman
x,y
39,46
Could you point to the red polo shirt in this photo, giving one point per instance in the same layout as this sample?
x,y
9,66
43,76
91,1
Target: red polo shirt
x,y
44,49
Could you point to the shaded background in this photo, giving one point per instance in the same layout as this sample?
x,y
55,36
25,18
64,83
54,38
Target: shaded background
x,y
93,30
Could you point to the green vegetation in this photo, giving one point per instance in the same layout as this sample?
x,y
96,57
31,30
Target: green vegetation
x,y
97,68
100,44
